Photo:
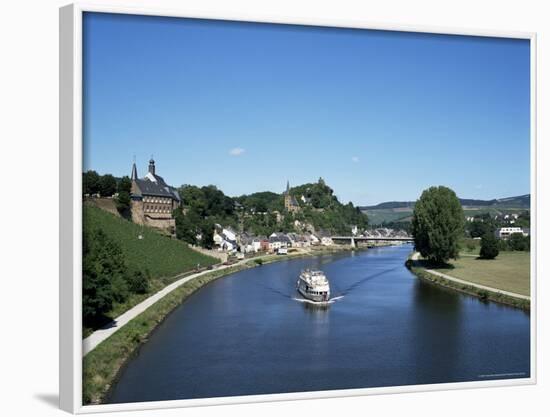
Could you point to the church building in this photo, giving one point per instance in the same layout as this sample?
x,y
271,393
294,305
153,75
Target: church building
x,y
291,205
152,200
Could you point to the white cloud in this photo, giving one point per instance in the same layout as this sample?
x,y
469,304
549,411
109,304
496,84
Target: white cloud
x,y
236,151
355,159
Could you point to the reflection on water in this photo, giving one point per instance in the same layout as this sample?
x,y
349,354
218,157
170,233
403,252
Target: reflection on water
x,y
252,333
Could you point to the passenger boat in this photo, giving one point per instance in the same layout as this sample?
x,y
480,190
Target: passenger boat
x,y
313,285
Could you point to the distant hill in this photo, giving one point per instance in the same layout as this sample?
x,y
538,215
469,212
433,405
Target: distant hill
x,y
522,201
161,255
401,211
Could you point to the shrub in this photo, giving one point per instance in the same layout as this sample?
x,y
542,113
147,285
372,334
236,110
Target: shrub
x,y
122,202
489,246
138,282
519,242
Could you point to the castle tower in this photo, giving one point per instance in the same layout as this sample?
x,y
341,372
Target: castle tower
x,y
152,166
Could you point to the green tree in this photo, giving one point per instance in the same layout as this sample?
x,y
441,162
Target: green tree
x,y
104,276
124,185
122,202
187,226
478,227
107,185
138,282
489,246
90,182
207,234
438,224
519,242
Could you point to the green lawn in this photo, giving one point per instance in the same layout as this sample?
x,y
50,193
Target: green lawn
x,y
510,271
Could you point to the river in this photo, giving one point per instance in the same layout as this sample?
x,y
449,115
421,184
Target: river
x,y
248,333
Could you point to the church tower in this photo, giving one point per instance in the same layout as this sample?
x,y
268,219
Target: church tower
x,y
291,204
152,166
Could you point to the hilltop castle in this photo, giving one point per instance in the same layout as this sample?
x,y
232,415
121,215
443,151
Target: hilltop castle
x,y
152,200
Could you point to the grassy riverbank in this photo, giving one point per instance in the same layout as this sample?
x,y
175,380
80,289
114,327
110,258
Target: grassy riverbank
x,y
101,366
508,272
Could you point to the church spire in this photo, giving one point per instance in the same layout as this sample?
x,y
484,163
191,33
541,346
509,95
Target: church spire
x,y
134,170
287,186
152,165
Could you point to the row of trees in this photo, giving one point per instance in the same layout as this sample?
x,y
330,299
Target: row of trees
x,y
93,183
107,279
108,186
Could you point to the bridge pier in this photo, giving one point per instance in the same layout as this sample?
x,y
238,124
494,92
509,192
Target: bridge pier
x,y
353,244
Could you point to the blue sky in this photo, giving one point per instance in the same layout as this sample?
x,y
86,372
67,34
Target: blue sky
x,y
245,106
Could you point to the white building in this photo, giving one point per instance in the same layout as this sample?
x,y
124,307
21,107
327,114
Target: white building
x,y
506,232
229,234
257,245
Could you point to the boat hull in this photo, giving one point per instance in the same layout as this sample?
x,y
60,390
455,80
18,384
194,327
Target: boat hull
x,y
324,296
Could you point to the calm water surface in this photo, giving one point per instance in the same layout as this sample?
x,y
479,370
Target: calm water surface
x,y
248,334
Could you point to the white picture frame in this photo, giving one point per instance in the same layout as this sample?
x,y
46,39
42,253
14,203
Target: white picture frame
x,y
70,286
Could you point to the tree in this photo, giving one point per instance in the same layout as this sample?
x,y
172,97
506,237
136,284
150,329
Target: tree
x,y
187,226
138,282
519,242
122,202
207,234
107,185
489,246
124,185
438,224
478,227
90,182
104,276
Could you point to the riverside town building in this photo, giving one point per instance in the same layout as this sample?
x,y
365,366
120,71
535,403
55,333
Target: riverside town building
x,y
152,200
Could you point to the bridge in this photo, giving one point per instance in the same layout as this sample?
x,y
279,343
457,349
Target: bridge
x,y
354,239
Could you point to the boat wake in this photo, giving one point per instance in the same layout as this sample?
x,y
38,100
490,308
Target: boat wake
x,y
318,303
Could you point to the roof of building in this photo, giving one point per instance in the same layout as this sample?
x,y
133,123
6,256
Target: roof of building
x,y
293,201
154,185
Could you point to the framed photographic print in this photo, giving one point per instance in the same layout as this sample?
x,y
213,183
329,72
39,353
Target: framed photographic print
x,y
258,209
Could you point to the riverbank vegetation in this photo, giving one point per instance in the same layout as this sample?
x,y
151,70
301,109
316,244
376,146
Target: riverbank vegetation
x,y
124,263
101,366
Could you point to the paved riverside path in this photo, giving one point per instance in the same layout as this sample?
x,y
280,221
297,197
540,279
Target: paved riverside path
x,y
91,342
416,255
